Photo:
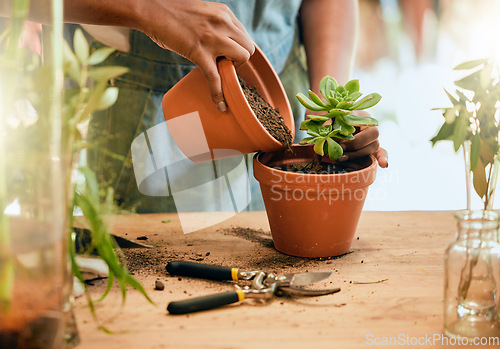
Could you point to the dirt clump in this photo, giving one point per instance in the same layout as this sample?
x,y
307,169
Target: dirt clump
x,y
268,116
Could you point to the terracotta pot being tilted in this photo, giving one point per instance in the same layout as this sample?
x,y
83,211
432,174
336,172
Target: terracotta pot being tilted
x,y
312,215
203,133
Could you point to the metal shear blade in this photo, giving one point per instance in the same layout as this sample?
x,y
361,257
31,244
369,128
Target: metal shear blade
x,y
302,292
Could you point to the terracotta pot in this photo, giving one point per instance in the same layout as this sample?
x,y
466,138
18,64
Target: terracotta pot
x,y
202,132
312,215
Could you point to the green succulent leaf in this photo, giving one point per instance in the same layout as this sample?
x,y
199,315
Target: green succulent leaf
x,y
318,117
322,87
460,132
71,63
358,120
471,64
354,96
314,97
341,136
107,73
451,114
352,86
452,99
303,125
342,127
475,151
314,127
306,102
327,84
485,77
81,47
479,179
339,100
340,89
336,112
100,55
345,105
487,154
333,101
462,98
444,133
334,149
305,140
308,140
367,102
318,147
470,82
325,130
108,98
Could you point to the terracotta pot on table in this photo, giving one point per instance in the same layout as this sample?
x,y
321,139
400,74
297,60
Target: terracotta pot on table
x,y
312,215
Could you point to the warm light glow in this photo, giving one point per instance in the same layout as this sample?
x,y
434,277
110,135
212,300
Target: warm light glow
x,y
474,28
2,107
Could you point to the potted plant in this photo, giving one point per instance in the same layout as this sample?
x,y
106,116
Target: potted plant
x,y
199,128
472,261
39,140
314,202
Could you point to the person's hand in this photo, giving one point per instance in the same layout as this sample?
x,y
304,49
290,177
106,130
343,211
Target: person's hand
x,y
30,37
365,142
201,32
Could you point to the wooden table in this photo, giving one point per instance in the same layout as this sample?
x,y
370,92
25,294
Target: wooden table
x,y
403,248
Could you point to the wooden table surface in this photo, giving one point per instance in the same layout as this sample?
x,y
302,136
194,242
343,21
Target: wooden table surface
x,y
403,248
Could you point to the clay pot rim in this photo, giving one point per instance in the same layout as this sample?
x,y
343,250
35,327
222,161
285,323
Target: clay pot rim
x,y
314,175
238,104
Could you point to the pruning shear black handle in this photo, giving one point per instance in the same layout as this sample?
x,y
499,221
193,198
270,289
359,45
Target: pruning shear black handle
x,y
205,302
202,271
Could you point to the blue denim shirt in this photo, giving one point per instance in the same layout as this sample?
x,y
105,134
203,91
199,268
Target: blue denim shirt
x,y
270,23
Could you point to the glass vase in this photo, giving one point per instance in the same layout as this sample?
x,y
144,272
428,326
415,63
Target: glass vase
x,y
34,276
472,277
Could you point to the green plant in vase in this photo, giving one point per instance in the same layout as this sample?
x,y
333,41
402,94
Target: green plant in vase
x,y
473,124
338,121
91,92
40,137
472,261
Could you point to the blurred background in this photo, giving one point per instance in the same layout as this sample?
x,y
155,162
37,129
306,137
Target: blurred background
x,y
406,52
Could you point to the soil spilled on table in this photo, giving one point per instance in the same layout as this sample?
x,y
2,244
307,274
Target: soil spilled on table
x,y
152,261
268,116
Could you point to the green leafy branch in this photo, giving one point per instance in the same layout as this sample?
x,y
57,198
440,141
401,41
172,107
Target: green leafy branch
x,y
88,90
88,200
473,119
338,121
91,92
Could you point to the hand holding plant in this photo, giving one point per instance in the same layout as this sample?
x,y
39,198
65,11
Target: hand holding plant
x,y
339,121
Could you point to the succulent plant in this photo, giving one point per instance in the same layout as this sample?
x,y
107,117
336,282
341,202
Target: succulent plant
x,y
338,104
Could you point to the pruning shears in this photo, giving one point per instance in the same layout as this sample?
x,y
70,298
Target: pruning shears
x,y
263,285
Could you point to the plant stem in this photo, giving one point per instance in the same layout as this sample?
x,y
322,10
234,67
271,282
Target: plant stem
x,y
315,160
492,183
466,149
